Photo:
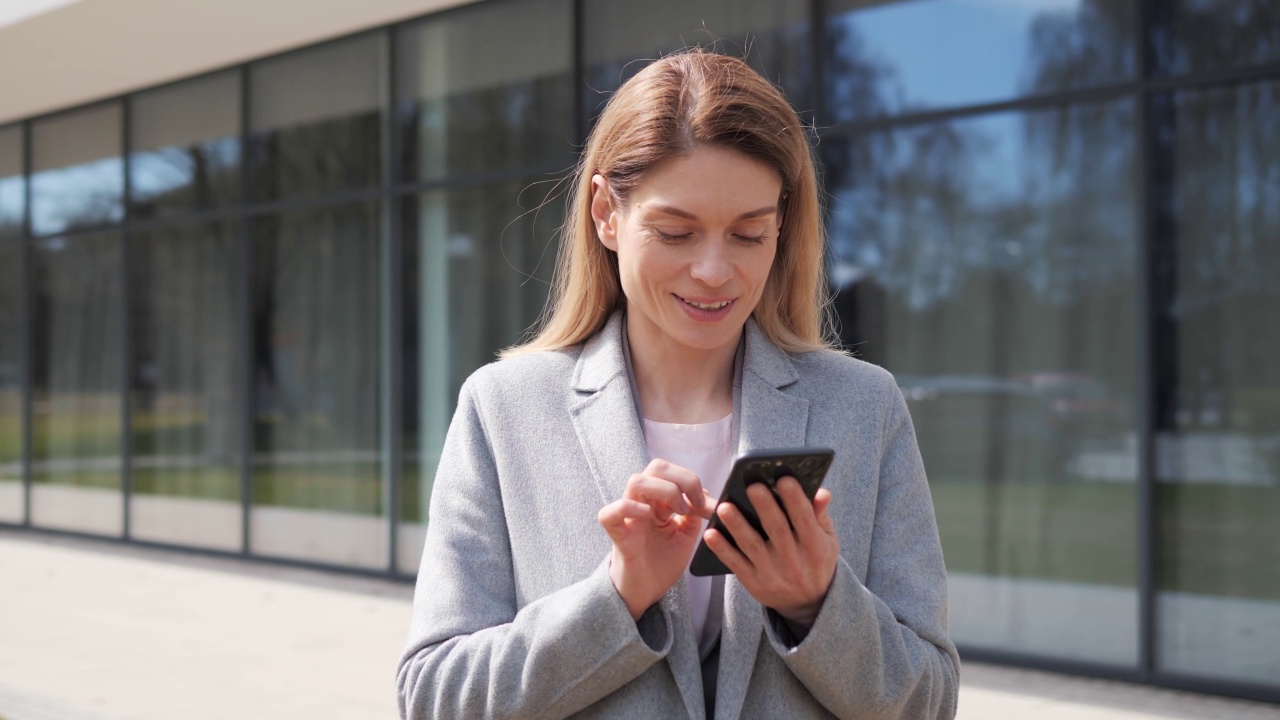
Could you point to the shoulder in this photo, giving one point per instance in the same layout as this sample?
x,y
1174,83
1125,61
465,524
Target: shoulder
x,y
836,375
523,378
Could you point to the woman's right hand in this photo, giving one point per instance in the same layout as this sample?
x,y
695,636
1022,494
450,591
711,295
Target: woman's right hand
x,y
654,527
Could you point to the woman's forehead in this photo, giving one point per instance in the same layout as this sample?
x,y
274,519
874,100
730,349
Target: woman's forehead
x,y
710,181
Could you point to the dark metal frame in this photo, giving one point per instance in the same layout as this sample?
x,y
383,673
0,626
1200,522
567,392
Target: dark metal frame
x,y
28,331
393,188
246,286
126,321
1145,306
392,340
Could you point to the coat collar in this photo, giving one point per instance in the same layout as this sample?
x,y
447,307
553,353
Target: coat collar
x,y
609,430
602,358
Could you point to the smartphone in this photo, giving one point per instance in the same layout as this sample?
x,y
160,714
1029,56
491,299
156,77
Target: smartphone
x,y
807,465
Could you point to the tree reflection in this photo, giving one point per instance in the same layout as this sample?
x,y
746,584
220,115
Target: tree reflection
x,y
1214,34
988,261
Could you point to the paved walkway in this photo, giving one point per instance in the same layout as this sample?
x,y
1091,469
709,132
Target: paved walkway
x,y
91,631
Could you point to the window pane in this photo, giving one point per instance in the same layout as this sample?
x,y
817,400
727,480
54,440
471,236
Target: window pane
x,y
12,184
988,262
478,265
317,486
1218,420
78,176
186,422
621,35
185,147
11,490
76,383
11,209
1198,35
898,57
511,106
317,119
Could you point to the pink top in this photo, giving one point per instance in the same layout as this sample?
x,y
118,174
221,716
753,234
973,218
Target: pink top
x,y
707,450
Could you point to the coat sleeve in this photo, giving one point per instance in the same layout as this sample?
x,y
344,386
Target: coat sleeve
x,y
471,652
879,646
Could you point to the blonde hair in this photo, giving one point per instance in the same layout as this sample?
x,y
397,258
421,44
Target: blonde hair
x,y
683,101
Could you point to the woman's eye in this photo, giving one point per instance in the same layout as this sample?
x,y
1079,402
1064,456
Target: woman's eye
x,y
672,237
753,239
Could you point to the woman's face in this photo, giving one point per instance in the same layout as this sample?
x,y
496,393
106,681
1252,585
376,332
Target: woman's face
x,y
695,245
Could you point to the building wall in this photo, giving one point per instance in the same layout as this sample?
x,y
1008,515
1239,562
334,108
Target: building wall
x,y
92,49
236,309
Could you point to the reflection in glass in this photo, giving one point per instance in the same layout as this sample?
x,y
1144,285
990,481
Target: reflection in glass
x,y
1218,382
511,106
12,183
478,265
988,262
185,434
1207,35
11,430
896,57
317,488
11,490
185,146
316,122
75,366
78,175
773,35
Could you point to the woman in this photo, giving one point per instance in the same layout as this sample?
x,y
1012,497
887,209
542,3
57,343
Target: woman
x,y
686,325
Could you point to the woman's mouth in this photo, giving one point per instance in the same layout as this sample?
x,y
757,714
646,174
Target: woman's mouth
x,y
705,309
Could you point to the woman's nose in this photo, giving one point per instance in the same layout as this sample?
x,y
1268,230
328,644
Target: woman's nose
x,y
712,266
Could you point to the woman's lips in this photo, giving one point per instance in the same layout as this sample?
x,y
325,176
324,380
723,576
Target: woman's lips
x,y
706,314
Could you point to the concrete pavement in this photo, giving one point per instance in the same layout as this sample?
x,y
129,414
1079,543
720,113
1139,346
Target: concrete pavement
x,y
96,631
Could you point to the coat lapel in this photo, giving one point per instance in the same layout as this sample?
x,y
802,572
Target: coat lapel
x,y
608,428
769,418
604,413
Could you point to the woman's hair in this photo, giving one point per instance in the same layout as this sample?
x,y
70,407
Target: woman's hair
x,y
679,103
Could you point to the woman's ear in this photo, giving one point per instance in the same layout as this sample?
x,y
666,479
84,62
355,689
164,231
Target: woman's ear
x,y
603,214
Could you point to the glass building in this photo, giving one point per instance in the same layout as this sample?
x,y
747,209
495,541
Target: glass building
x,y
236,309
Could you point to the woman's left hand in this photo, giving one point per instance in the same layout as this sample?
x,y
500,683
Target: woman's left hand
x,y
791,571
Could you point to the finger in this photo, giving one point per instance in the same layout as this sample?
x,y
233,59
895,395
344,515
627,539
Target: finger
x,y
647,488
708,509
772,518
821,514
749,541
798,506
728,554
613,517
685,479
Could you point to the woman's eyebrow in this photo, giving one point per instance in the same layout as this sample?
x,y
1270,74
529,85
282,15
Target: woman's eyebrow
x,y
669,210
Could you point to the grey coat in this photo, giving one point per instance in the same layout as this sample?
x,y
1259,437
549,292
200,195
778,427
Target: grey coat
x,y
514,615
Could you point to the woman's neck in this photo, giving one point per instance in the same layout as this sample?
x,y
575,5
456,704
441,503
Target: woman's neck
x,y
679,384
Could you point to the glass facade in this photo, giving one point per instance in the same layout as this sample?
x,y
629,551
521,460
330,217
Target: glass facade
x,y
979,52
487,135
316,119
184,141
317,486
185,423
236,310
77,178
1218,408
775,37
992,270
76,353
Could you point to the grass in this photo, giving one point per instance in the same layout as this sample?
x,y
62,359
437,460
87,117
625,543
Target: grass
x,y
1217,539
